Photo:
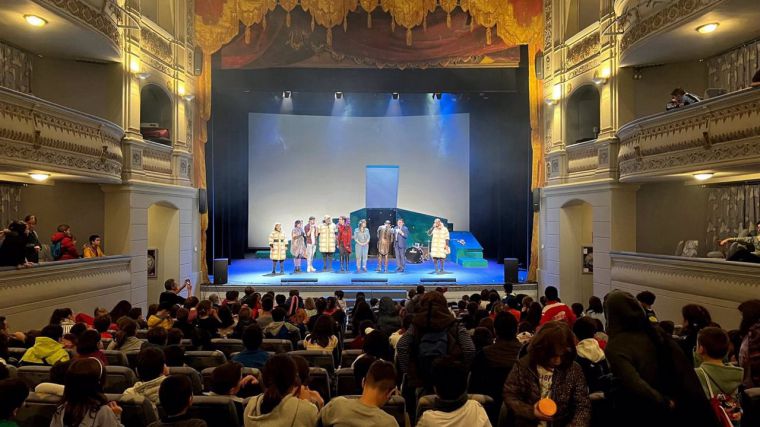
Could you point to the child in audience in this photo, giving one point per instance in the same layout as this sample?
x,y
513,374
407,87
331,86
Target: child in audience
x,y
716,376
88,345
245,319
157,337
84,403
228,380
590,355
481,337
378,386
152,371
174,356
451,405
277,406
14,393
136,314
47,349
162,318
322,337
405,323
304,392
556,310
125,338
176,396
492,365
252,356
595,309
646,299
279,328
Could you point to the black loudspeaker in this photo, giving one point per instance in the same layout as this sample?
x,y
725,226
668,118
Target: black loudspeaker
x,y
220,271
510,270
536,199
197,61
376,218
202,200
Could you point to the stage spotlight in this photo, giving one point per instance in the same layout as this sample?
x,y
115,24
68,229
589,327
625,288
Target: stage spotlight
x,y
286,94
395,95
437,95
338,95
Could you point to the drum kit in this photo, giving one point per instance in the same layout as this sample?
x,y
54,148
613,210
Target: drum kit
x,y
418,253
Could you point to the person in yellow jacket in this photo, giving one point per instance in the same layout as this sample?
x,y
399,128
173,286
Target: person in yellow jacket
x,y
278,248
47,349
327,237
93,249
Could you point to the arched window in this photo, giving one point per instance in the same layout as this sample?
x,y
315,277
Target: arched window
x,y
582,115
155,114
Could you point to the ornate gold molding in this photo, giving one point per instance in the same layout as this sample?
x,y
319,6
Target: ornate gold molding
x,y
95,19
664,18
547,24
582,157
583,50
156,45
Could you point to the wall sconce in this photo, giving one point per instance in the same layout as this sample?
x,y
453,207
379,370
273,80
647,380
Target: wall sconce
x,y
556,94
135,67
181,89
188,97
601,75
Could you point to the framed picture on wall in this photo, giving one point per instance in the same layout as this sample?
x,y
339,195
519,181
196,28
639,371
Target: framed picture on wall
x,y
587,256
152,263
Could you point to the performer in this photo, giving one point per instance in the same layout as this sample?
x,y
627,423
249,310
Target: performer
x,y
401,233
361,236
439,246
311,231
384,244
344,242
327,232
278,248
297,245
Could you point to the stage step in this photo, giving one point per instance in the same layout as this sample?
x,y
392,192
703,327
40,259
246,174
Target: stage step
x,y
473,262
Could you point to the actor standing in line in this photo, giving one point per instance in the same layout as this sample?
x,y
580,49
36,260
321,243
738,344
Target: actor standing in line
x,y
344,242
384,244
327,235
361,236
278,248
439,245
297,245
312,232
401,233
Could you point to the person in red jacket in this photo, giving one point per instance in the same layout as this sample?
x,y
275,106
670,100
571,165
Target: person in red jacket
x,y
555,310
67,243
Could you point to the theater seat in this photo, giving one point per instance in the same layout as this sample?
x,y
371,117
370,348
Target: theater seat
x,y
347,357
208,373
195,377
132,358
276,345
318,359
137,411
345,383
37,410
141,334
33,375
395,406
200,360
319,380
16,353
217,411
11,371
116,358
227,346
118,379
428,402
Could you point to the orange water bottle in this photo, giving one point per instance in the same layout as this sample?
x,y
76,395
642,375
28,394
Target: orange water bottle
x,y
547,407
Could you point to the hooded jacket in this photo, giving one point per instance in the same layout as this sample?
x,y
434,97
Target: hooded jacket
x,y
724,379
68,250
650,371
291,412
146,389
45,351
388,320
590,356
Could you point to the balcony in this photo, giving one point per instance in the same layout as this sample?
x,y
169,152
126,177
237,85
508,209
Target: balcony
x,y
719,135
39,135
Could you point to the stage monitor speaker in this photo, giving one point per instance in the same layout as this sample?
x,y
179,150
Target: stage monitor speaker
x,y
535,198
220,271
202,200
510,270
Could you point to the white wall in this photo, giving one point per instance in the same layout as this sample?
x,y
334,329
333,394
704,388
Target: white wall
x,y
163,235
576,225
652,92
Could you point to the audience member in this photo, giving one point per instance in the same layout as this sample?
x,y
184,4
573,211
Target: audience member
x,y
481,337
493,364
228,380
136,314
152,371
279,328
533,315
33,245
681,98
396,335
102,324
63,317
174,356
252,356
174,336
14,392
360,334
451,406
63,244
749,338
92,249
277,406
322,337
13,249
303,391
265,315
47,349
310,307
245,319
695,318
184,324
230,297
556,310
208,322
157,338
388,320
170,296
376,345
646,299
578,310
162,318
121,309
176,397
84,403
549,371
377,387
88,345
717,377
595,309
590,356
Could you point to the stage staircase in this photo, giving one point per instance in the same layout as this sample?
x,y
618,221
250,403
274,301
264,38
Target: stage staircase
x,y
465,250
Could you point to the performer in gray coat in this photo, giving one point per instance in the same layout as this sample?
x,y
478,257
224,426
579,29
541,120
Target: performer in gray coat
x,y
400,234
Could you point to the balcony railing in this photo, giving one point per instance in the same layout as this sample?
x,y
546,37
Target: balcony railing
x,y
582,159
37,134
718,132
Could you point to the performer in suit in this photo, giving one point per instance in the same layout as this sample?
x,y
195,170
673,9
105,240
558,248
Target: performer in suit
x,y
400,234
278,247
297,245
384,244
361,236
311,232
327,232
344,242
439,245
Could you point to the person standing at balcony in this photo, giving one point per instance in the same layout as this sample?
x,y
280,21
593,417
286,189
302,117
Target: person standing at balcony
x,y
681,98
93,249
63,246
32,240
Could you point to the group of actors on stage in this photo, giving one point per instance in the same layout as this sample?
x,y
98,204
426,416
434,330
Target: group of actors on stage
x,y
305,240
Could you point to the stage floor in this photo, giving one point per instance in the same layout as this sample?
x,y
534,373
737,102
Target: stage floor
x,y
256,271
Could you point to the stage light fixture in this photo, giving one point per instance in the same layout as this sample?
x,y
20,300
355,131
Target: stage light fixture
x,y
395,95
286,94
437,95
707,28
35,20
39,177
703,176
338,95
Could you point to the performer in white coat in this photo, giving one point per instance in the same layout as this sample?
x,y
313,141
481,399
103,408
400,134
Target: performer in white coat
x,y
278,248
327,231
439,245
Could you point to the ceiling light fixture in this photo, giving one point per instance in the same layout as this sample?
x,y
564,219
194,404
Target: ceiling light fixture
x,y
707,28
39,177
338,95
395,95
35,20
703,176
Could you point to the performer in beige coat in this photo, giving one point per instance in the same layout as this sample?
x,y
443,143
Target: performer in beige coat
x,y
278,248
439,245
327,237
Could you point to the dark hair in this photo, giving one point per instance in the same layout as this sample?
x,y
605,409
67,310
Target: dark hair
x,y
534,314
508,288
169,284
678,91
225,316
320,305
120,310
553,339
482,337
87,343
78,329
362,311
102,323
204,307
59,314
551,293
62,228
332,303
584,328
280,299
750,311
505,326
376,344
14,392
225,377
668,326
93,238
135,313
58,372
373,301
361,367
152,309
54,332
174,336
157,336
595,305
339,294
252,336
191,302
278,314
696,317
280,374
30,217
646,297
381,376
83,390
323,330
577,309
302,365
715,342
231,295
267,304
420,289
150,363
175,393
449,378
174,355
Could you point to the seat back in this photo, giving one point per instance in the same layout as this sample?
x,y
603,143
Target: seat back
x,y
118,379
137,411
16,353
200,360
116,358
141,333
317,359
395,407
227,346
319,380
345,383
217,411
429,401
192,374
37,410
132,358
277,346
208,374
347,357
11,371
33,375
